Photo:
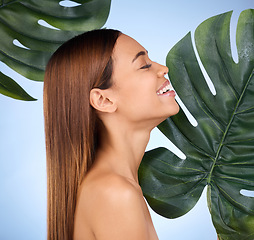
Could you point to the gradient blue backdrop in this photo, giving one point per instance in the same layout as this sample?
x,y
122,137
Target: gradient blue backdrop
x,y
157,25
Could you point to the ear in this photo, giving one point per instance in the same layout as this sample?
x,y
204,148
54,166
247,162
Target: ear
x,y
102,101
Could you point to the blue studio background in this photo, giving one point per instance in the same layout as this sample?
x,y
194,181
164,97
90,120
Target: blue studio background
x,y
157,25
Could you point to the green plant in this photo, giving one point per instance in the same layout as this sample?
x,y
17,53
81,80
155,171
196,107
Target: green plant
x,y
220,150
26,46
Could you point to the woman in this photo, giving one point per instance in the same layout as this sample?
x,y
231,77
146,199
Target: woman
x,y
102,97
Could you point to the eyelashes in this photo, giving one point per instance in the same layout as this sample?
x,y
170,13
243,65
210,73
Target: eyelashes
x,y
146,66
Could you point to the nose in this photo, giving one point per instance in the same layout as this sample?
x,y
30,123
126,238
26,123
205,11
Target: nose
x,y
162,70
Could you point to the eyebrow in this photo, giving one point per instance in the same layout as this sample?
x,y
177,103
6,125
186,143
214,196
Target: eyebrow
x,y
141,53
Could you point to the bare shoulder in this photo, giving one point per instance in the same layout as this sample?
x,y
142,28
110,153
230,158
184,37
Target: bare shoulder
x,y
113,202
109,188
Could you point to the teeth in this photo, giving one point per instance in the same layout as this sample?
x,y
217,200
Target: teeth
x,y
165,89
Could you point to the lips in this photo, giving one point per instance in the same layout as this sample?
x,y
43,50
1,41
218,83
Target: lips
x,y
165,89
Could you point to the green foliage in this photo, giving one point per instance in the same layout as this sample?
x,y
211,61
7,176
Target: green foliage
x,y
19,21
220,150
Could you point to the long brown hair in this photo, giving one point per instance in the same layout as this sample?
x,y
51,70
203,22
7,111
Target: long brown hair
x,y
79,65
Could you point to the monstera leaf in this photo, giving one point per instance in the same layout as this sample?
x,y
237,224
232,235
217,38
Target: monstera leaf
x,y
26,43
220,149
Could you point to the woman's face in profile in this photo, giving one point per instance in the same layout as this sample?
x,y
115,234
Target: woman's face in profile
x,y
139,84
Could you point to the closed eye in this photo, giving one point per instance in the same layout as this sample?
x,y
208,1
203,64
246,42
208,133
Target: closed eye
x,y
146,66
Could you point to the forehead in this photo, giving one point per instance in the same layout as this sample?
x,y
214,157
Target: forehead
x,y
126,48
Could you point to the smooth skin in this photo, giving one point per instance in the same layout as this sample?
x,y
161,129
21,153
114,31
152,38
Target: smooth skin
x,y
110,202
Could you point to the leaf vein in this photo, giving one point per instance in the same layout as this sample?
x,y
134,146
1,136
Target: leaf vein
x,y
226,73
166,163
233,200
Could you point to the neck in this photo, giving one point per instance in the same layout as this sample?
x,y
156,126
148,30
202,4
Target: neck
x,y
122,149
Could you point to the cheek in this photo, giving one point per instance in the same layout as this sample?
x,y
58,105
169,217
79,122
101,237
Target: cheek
x,y
143,97
137,96
134,102
144,104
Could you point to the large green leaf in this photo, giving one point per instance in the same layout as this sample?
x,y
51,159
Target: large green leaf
x,y
220,149
19,21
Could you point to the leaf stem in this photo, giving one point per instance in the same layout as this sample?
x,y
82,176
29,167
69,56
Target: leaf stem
x,y
228,126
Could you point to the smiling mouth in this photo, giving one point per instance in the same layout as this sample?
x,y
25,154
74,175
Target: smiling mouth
x,y
165,87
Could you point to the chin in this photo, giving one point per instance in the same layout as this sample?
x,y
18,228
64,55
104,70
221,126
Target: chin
x,y
168,114
176,110
173,110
